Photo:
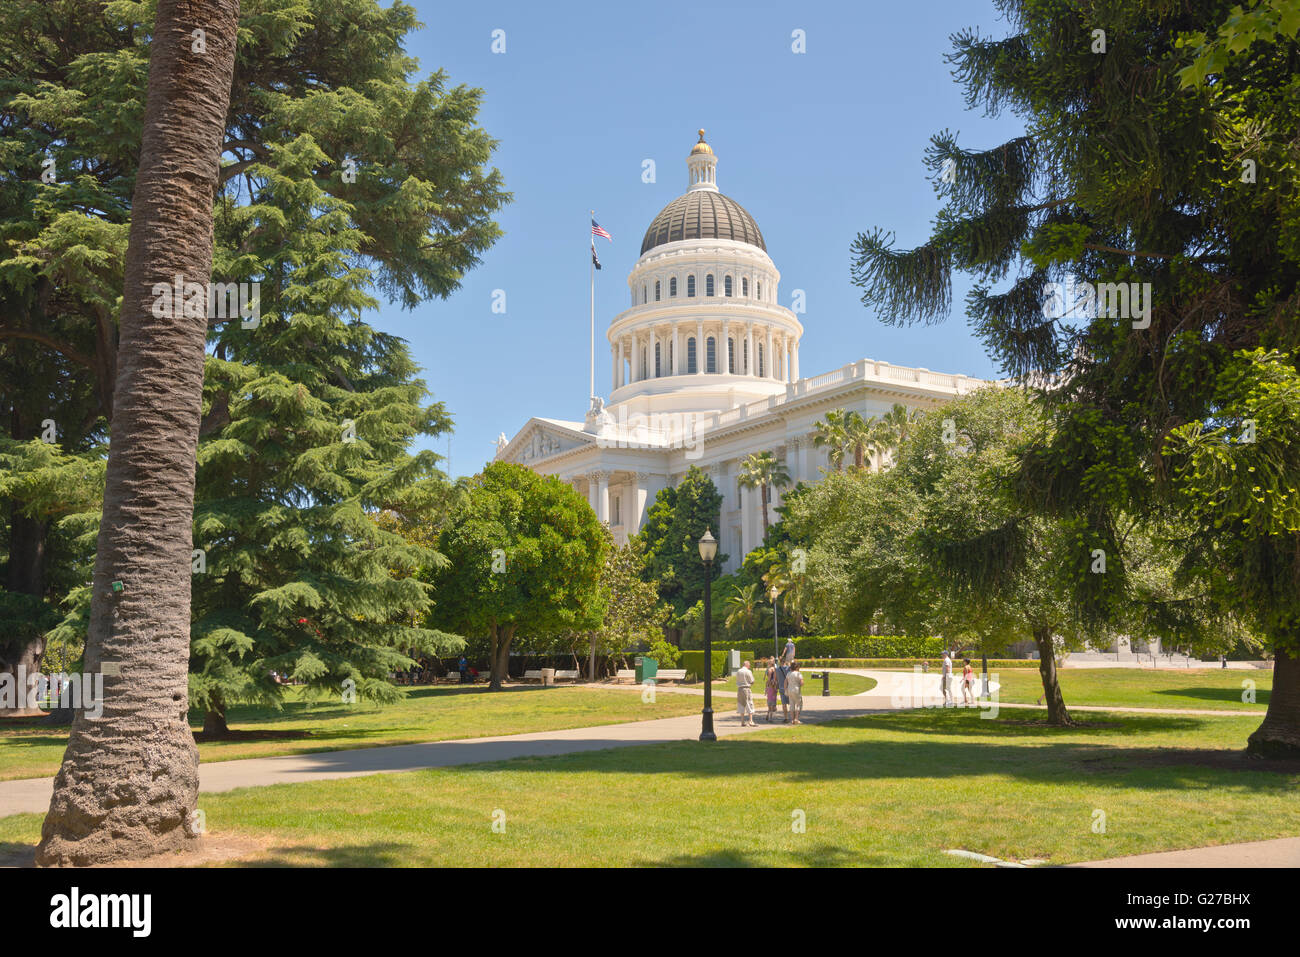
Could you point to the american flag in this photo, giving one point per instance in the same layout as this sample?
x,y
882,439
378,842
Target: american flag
x,y
599,230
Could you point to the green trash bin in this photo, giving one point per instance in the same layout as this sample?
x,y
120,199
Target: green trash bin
x,y
646,668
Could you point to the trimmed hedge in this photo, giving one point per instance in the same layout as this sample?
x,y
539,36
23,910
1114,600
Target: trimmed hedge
x,y
866,646
693,662
935,663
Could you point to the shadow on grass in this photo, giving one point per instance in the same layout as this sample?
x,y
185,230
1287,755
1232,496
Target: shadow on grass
x,y
13,854
1231,695
823,855
357,855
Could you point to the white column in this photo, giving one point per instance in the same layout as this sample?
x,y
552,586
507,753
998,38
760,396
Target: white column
x,y
699,347
767,356
724,361
677,342
613,366
591,491
602,496
650,354
746,530
794,349
638,495
749,348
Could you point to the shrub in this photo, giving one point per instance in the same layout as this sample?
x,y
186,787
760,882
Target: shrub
x,y
693,662
665,652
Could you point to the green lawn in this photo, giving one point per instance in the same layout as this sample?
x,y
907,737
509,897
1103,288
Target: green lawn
x,y
840,685
1199,688
891,790
440,713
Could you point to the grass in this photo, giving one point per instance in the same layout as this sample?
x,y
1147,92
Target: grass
x,y
1213,689
438,713
840,684
892,790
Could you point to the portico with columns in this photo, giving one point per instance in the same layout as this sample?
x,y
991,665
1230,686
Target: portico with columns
x,y
704,371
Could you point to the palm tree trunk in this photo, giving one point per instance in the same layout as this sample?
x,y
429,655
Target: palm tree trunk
x,y
765,523
129,779
1279,735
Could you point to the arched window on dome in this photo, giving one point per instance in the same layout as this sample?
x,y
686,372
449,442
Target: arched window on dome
x,y
760,360
708,285
643,293
744,355
643,364
658,363
758,290
744,286
657,290
690,286
672,286
731,355
690,356
726,286
711,354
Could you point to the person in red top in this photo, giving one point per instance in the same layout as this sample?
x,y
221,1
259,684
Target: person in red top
x,y
967,684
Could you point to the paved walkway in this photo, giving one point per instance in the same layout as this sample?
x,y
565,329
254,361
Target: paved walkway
x,y
32,795
1283,852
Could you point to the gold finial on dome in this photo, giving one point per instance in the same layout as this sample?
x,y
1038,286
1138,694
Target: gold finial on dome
x,y
701,146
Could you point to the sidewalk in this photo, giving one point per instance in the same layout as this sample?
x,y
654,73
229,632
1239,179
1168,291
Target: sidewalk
x,y
32,795
1283,852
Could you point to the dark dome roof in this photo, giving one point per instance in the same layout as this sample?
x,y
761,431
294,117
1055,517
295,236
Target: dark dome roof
x,y
702,214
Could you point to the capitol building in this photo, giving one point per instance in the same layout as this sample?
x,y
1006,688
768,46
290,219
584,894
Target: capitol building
x,y
705,371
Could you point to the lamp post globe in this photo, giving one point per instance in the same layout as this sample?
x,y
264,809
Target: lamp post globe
x,y
708,551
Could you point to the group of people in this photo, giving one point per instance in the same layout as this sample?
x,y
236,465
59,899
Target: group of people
x,y
783,680
967,682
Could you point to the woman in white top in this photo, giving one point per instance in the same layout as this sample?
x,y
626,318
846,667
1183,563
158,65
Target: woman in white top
x,y
794,691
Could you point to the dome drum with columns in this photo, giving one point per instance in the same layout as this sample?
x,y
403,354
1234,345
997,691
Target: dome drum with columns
x,y
705,371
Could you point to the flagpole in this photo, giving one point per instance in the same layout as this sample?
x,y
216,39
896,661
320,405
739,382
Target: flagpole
x,y
592,269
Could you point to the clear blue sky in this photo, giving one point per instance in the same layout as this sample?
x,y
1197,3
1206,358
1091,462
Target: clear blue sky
x,y
817,146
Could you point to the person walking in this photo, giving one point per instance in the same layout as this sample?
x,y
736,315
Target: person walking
x,y
787,654
794,691
783,672
770,688
945,681
967,683
745,695
463,667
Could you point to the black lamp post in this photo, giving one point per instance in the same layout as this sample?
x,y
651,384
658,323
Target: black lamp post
x,y
708,551
775,593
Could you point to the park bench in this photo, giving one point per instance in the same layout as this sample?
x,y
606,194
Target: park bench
x,y
671,674
533,675
566,675
625,674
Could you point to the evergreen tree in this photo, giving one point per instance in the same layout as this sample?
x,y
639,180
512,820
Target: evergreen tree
x,y
343,177
1185,203
675,522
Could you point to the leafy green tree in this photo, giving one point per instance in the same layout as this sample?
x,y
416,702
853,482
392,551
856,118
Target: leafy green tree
x,y
761,470
523,552
1181,210
675,522
634,615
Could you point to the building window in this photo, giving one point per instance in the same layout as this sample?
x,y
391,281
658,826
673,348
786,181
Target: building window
x,y
643,293
726,286
672,286
618,511
744,354
690,356
758,290
658,373
711,354
760,360
708,285
744,286
657,290
690,285
731,356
